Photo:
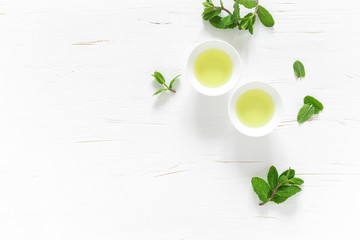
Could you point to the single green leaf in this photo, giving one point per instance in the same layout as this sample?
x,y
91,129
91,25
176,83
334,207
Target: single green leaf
x,y
288,191
236,13
299,69
172,81
246,21
290,173
272,178
305,113
216,22
311,100
261,188
278,199
228,20
207,5
251,29
221,3
210,2
159,91
248,3
213,13
159,77
283,180
296,181
265,17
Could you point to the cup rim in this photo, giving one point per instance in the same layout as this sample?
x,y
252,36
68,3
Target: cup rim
x,y
230,84
267,128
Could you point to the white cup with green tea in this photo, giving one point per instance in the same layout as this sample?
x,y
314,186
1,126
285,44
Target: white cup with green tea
x,y
255,109
213,68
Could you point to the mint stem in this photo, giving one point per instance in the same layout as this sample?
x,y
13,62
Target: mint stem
x,y
272,195
169,88
222,8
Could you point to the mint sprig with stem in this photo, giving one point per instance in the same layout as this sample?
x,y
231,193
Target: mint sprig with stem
x,y
278,188
160,79
311,106
233,19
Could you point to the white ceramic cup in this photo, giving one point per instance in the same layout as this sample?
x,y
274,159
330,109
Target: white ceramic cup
x,y
214,91
274,121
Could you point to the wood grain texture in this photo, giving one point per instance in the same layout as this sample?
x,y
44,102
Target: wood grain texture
x,y
88,153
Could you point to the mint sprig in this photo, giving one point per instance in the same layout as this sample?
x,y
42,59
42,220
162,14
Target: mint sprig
x,y
160,79
311,106
233,19
278,188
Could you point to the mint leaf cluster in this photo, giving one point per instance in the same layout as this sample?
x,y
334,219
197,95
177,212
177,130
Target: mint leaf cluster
x,y
233,19
311,106
160,79
277,188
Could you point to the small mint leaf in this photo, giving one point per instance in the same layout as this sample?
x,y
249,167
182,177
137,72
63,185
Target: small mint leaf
x,y
278,199
221,3
296,181
299,69
261,188
290,173
265,17
236,11
172,81
211,14
305,113
159,77
159,91
228,20
311,100
288,191
248,3
283,180
272,178
216,22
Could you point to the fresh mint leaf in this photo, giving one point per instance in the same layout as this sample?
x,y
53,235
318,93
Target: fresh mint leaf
x,y
261,188
305,113
311,100
296,181
236,12
283,180
216,22
265,17
272,178
278,199
207,5
244,24
172,81
159,77
290,173
228,20
213,13
159,91
288,191
299,69
248,3
221,3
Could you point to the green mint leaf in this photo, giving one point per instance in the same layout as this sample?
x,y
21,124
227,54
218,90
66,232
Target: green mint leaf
x,y
210,2
290,173
272,178
278,199
261,188
248,3
305,113
228,20
265,17
299,69
288,191
283,180
296,181
236,11
251,29
159,77
172,81
159,91
216,22
244,24
213,13
207,5
221,3
311,100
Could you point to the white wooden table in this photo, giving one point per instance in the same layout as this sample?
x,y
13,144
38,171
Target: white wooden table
x,y
88,153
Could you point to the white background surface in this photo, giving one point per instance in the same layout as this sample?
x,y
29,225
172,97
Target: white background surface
x,y
88,153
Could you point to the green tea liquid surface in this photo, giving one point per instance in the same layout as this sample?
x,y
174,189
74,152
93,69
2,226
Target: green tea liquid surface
x,y
213,68
255,108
